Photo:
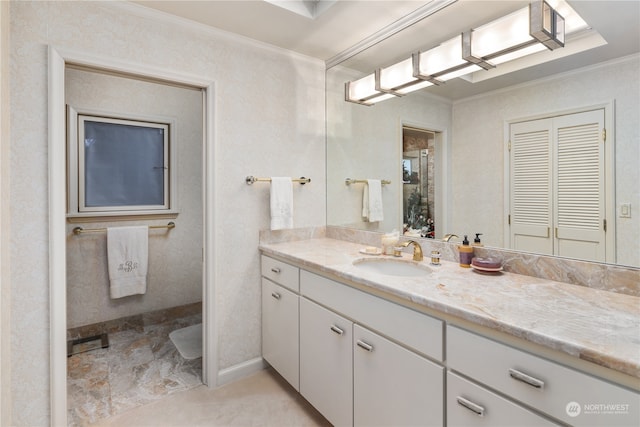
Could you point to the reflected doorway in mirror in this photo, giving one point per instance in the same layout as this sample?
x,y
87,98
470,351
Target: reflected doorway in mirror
x,y
418,147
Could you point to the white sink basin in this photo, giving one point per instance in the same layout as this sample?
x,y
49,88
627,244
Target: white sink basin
x,y
392,267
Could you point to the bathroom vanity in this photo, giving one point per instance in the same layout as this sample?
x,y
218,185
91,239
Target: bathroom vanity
x,y
450,347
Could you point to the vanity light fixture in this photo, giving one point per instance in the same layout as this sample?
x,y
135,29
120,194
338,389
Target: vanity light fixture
x,y
518,34
363,91
399,79
443,62
547,25
529,30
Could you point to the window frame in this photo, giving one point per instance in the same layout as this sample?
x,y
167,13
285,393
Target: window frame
x,y
77,208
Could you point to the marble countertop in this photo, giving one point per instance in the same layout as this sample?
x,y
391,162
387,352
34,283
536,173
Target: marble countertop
x,y
597,326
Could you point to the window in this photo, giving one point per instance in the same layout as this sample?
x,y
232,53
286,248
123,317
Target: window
x,y
119,165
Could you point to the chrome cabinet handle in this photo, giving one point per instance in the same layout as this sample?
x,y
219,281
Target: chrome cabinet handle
x,y
473,407
364,345
276,270
337,330
527,379
275,295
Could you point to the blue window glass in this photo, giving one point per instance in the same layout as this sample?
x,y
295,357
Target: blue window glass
x,y
124,165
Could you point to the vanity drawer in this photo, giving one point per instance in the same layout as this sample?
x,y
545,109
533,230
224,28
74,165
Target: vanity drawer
x,y
415,330
470,405
564,393
281,273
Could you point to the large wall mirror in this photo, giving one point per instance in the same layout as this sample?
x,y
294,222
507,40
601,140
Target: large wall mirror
x,y
462,177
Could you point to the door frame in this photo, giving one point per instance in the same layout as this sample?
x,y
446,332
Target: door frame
x,y
442,173
58,59
609,177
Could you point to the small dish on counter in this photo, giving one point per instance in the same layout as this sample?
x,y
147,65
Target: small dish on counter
x,y
486,265
371,251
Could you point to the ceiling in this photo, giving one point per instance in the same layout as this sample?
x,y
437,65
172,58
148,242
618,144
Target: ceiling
x,y
341,26
339,30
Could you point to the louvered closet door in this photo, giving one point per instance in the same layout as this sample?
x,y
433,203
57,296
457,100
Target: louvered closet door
x,y
531,186
579,186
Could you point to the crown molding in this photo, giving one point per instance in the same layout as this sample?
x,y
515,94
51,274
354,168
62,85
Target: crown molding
x,y
402,23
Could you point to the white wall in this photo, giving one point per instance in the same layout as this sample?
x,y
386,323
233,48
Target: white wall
x,y
269,121
478,146
175,257
5,379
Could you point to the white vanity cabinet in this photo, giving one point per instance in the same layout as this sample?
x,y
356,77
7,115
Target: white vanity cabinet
x,y
469,405
326,379
573,397
280,332
393,386
354,375
365,360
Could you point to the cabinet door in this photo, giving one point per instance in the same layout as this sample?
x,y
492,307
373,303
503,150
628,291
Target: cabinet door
x,y
470,405
280,330
394,386
326,362
574,397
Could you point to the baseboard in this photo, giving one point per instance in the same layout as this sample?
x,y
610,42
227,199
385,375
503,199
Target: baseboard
x,y
240,370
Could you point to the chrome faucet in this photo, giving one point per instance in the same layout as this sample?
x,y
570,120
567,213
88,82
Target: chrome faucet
x,y
417,249
448,237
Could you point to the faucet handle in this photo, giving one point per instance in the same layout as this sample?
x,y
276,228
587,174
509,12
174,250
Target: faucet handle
x,y
448,237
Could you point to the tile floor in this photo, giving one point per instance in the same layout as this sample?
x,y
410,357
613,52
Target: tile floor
x,y
140,366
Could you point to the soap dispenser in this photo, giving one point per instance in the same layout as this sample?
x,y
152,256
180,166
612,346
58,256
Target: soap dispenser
x,y
476,241
466,253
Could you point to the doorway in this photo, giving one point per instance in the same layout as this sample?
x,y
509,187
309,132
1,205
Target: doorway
x,y
138,143
59,60
424,180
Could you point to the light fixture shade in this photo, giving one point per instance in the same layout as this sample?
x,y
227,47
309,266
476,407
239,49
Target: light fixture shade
x,y
443,62
398,79
363,91
523,32
500,37
514,35
547,25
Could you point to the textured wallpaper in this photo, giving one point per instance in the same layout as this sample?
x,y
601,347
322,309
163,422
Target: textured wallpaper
x,y
269,121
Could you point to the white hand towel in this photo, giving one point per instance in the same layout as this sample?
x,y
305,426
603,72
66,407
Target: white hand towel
x,y
128,255
372,201
281,203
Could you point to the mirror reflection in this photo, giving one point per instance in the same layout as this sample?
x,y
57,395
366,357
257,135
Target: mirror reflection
x,y
469,162
418,197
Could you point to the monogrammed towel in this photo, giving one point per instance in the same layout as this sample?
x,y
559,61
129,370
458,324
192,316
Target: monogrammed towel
x,y
128,255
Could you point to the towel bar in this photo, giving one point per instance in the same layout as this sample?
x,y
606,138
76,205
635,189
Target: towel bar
x,y
350,181
251,179
80,230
